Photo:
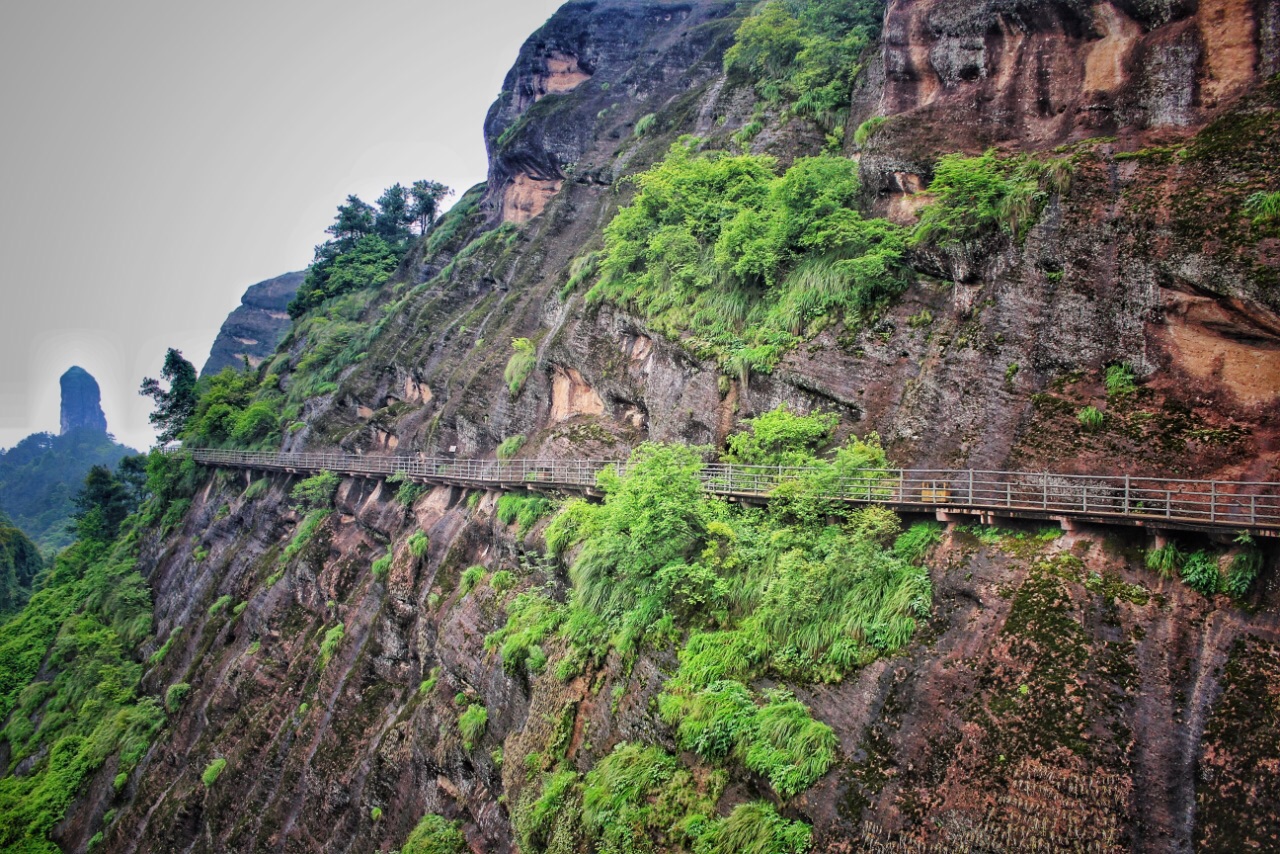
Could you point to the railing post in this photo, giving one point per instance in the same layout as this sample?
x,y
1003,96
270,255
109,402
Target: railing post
x,y
1044,496
1213,501
971,501
1253,509
1126,496
1008,493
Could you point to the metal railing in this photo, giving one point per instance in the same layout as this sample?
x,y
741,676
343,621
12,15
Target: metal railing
x,y
1243,505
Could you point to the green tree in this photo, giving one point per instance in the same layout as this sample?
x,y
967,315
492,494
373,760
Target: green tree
x,y
175,404
393,219
103,503
355,219
424,202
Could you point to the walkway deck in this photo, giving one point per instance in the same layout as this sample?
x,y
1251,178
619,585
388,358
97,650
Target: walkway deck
x,y
1160,503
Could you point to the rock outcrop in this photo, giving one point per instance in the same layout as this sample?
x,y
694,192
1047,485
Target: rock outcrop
x,y
81,402
254,329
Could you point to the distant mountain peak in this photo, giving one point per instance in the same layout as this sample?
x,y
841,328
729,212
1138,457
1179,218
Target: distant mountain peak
x,y
81,402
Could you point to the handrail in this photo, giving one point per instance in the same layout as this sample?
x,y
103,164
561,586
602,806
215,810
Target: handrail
x,y
1246,505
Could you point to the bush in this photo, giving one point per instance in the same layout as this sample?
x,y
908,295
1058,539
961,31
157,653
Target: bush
x,y
1091,418
218,604
419,544
806,53
1166,560
755,828
645,124
316,492
213,771
329,644
520,365
470,578
436,835
978,196
510,447
306,530
408,491
381,567
175,695
502,581
1245,566
524,508
1120,379
472,723
915,542
721,253
375,814
1200,572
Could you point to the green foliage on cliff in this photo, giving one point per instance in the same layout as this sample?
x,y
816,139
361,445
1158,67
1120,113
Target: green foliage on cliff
x,y
520,365
20,563
367,243
804,590
315,492
69,684
978,196
720,252
472,723
436,835
807,53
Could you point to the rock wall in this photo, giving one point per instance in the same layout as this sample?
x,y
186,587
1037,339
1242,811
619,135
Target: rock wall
x,y
254,329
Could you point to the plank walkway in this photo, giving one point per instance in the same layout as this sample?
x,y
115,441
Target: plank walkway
x,y
950,494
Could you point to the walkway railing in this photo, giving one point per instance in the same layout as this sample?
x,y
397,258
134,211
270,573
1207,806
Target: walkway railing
x,y
1238,505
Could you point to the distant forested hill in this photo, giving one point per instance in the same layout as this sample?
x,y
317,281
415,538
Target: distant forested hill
x,y
20,562
41,475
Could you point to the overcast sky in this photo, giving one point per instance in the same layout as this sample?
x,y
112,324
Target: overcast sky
x,y
159,157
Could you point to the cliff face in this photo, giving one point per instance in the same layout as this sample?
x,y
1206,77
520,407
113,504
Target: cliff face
x,y
254,329
1060,695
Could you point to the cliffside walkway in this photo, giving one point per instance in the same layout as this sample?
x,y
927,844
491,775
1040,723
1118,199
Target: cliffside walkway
x,y
950,494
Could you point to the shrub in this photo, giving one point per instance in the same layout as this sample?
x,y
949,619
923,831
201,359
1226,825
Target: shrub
x,y
213,771
316,492
510,447
1200,572
502,581
867,129
520,365
175,695
1264,208
428,685
977,196
419,544
915,542
306,530
472,723
329,644
1166,560
218,604
723,254
436,835
524,508
1120,379
382,566
645,124
1245,566
256,489
408,492
1091,418
470,578
375,814
755,828
806,53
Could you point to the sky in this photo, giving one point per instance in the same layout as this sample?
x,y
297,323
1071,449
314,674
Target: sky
x,y
158,157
